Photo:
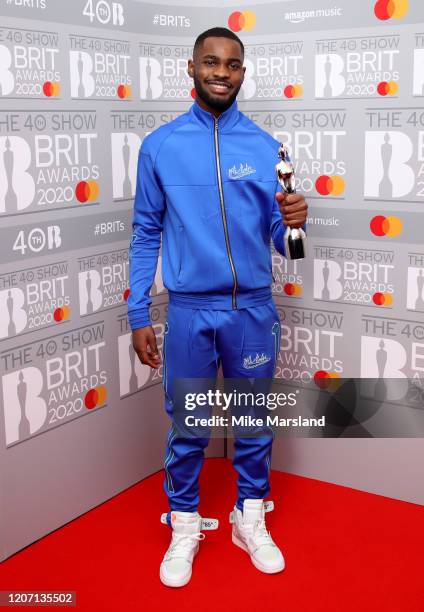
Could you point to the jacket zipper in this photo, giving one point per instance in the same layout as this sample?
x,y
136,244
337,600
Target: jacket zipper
x,y
224,216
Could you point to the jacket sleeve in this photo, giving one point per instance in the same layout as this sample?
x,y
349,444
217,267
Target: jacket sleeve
x,y
278,227
149,207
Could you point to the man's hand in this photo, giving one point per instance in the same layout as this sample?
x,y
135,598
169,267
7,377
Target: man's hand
x,y
293,208
144,344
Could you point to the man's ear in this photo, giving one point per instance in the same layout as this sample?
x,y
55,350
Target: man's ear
x,y
190,68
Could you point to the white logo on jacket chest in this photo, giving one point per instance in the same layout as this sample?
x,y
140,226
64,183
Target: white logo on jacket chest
x,y
249,362
242,170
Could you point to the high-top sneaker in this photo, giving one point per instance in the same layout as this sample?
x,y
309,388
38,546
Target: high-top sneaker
x,y
175,569
250,534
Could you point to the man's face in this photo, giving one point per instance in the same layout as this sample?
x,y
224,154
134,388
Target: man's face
x,y
218,72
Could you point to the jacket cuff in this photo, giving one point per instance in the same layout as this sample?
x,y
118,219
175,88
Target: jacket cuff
x,y
139,318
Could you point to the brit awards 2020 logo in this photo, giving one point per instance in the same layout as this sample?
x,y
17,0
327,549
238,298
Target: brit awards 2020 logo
x,y
318,144
43,166
353,275
100,68
362,67
52,381
29,64
34,298
163,72
273,71
103,281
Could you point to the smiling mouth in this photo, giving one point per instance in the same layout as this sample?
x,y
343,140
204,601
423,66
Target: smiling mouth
x,y
218,87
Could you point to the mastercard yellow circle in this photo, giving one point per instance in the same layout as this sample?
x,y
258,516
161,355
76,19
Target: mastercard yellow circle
x,y
94,189
127,91
393,88
297,289
337,185
102,394
388,299
298,91
400,8
395,226
249,20
55,89
65,311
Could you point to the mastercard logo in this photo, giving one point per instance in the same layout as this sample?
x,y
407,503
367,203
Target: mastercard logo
x,y
124,91
292,289
87,191
391,9
327,380
126,294
330,185
51,90
382,299
61,314
386,226
245,20
293,91
387,88
95,397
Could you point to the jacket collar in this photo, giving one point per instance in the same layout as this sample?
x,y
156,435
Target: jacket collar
x,y
226,120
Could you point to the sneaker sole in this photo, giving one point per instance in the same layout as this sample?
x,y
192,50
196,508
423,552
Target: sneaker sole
x,y
258,566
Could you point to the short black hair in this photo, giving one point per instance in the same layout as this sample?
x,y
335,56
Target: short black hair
x,y
218,32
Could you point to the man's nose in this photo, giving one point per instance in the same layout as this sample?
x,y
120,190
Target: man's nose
x,y
221,71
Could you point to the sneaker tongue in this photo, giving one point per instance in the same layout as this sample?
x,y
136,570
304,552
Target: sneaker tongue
x,y
252,510
185,522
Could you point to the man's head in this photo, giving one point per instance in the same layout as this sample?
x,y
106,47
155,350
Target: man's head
x,y
217,68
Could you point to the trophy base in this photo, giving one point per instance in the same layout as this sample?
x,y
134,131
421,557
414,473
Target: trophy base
x,y
295,243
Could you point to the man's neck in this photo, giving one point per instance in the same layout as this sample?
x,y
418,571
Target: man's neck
x,y
215,112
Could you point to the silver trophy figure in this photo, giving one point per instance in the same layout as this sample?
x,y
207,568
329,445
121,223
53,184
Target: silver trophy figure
x,y
294,239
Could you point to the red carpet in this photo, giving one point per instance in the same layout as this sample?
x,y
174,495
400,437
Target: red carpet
x,y
345,550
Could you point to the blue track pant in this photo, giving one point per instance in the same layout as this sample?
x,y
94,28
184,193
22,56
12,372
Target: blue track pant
x,y
196,342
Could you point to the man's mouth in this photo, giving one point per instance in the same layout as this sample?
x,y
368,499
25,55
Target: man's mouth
x,y
218,86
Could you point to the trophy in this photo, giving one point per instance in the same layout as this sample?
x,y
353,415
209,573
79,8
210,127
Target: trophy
x,y
294,239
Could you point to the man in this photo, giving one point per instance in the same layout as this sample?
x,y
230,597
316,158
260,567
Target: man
x,y
206,181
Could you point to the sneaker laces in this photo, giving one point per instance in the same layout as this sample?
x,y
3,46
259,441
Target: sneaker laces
x,y
260,534
181,544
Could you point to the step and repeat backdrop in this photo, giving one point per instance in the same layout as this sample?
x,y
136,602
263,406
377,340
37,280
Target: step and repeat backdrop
x,y
81,84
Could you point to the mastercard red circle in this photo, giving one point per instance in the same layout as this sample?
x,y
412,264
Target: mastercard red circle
x,y
289,288
48,89
82,191
383,88
377,224
235,21
289,91
193,93
323,184
58,315
91,398
322,379
382,9
378,299
126,294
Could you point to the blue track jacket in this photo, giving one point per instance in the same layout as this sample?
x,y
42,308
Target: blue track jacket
x,y
209,185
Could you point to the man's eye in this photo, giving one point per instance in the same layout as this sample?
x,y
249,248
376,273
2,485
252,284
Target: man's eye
x,y
210,62
234,66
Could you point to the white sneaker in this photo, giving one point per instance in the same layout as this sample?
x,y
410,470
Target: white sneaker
x,y
250,534
175,569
